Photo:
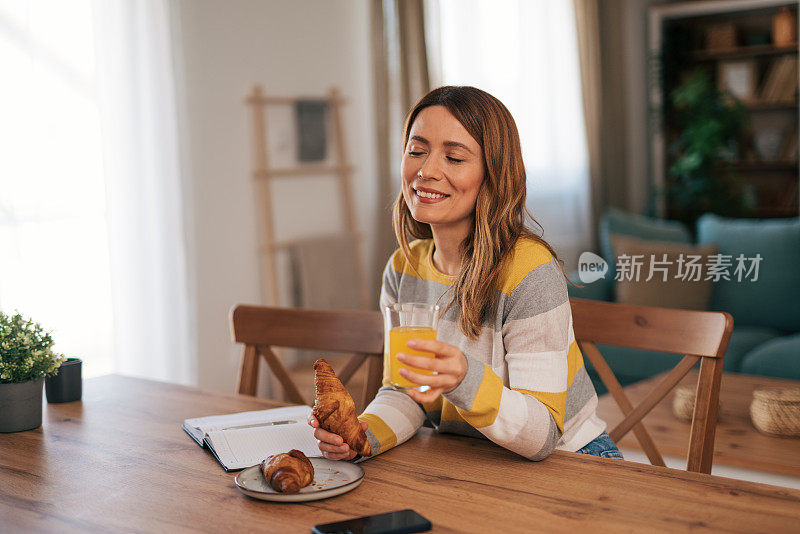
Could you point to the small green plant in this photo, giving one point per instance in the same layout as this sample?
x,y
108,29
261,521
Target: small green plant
x,y
25,350
702,178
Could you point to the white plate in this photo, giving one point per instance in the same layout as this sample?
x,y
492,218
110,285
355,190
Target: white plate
x,y
331,478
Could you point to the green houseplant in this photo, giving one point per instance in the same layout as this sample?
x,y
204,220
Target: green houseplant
x,y
26,358
702,178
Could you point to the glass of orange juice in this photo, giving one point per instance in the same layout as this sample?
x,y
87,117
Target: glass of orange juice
x,y
404,321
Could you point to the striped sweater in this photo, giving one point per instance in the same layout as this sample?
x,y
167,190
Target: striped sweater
x,y
526,387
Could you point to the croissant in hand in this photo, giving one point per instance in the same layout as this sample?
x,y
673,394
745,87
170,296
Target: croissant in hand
x,y
288,472
335,410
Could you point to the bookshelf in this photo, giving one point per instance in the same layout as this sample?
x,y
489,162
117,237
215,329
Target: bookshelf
x,y
741,52
743,49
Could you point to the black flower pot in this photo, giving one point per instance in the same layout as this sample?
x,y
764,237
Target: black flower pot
x,y
21,406
66,385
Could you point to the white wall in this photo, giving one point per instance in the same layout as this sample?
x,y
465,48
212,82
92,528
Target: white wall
x,y
292,48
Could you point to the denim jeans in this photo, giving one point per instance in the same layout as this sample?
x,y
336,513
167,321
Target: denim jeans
x,y
602,446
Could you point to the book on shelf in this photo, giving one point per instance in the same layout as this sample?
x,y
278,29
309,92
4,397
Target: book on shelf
x,y
780,82
240,440
789,148
770,82
789,82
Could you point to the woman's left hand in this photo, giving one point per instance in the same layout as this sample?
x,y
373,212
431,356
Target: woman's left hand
x,y
449,363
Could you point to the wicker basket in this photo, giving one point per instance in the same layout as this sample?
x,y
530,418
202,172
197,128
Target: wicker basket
x,y
683,403
776,411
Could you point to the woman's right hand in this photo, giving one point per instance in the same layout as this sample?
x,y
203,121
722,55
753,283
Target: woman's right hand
x,y
332,445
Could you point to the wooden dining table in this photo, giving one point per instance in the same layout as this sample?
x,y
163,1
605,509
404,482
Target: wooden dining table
x,y
118,461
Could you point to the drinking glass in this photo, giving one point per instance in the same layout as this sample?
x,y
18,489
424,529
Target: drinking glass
x,y
404,321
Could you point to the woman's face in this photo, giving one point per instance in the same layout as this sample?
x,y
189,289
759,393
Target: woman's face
x,y
442,169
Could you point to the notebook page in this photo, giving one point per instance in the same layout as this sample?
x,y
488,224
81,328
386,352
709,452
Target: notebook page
x,y
244,447
218,422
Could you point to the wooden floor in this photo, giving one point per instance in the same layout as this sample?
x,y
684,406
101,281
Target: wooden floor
x,y
738,443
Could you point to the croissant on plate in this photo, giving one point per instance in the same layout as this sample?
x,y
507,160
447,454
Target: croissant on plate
x,y
335,409
288,472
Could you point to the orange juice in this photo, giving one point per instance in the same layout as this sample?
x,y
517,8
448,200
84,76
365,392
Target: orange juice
x,y
398,339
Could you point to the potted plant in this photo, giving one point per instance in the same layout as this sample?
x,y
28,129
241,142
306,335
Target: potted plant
x,y
26,358
703,180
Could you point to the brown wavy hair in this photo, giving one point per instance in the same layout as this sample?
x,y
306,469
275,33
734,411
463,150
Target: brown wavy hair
x,y
500,212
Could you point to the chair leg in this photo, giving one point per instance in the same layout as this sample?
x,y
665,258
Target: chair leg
x,y
704,418
248,371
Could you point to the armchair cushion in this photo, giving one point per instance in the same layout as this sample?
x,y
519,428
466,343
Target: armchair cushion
x,y
670,288
601,289
743,340
773,300
617,222
779,357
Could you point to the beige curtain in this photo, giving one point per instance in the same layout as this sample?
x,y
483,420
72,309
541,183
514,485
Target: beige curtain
x,y
587,21
401,78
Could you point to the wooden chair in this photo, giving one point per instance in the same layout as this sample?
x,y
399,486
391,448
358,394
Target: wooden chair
x,y
261,328
698,335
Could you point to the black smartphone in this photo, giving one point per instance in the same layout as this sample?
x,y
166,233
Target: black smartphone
x,y
399,522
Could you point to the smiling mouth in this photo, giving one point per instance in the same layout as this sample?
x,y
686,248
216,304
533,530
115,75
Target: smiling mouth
x,y
429,195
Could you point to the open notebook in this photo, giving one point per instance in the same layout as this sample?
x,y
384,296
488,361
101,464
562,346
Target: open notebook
x,y
240,440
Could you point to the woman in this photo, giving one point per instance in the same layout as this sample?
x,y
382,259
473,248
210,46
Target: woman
x,y
507,364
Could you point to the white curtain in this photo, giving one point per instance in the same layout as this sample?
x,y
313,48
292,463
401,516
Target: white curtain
x,y
137,98
525,53
91,220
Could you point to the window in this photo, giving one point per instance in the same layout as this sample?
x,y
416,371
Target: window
x,y
525,53
54,264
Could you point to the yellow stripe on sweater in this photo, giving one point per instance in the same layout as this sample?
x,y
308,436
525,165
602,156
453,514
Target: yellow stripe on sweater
x,y
381,430
451,414
526,256
574,362
487,400
556,403
421,250
435,405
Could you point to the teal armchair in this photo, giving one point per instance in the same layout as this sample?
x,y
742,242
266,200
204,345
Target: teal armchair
x,y
766,334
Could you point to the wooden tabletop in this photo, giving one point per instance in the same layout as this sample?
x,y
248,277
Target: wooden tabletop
x,y
737,442
118,461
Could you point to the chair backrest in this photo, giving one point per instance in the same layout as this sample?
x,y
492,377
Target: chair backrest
x,y
261,328
698,335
